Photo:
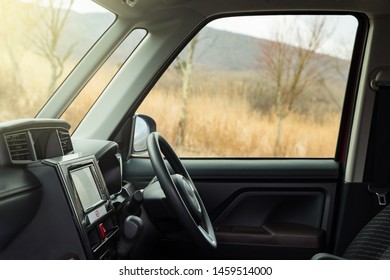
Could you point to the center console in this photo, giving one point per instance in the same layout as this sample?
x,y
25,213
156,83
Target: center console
x,y
85,189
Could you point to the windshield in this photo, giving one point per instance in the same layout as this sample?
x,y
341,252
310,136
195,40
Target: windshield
x,y
41,42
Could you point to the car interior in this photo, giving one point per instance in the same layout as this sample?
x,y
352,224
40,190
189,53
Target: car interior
x,y
111,186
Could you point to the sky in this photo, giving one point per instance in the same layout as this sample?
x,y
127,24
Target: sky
x,y
340,31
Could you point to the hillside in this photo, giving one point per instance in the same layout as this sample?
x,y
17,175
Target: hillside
x,y
216,50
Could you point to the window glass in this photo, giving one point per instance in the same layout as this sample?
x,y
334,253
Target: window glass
x,y
90,93
41,42
257,86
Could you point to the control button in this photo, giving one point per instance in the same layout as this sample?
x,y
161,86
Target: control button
x,y
97,213
102,230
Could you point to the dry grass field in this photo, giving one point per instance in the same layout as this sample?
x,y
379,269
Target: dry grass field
x,y
221,125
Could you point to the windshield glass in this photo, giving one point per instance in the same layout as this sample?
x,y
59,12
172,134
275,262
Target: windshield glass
x,y
41,42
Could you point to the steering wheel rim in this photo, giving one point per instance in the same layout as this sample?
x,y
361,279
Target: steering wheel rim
x,y
181,192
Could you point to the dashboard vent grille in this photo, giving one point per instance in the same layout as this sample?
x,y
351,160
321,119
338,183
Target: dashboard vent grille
x,y
66,142
18,146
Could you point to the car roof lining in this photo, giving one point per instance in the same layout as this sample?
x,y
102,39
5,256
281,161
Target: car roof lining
x,y
210,8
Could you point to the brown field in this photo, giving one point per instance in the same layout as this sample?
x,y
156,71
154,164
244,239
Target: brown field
x,y
221,121
25,98
226,126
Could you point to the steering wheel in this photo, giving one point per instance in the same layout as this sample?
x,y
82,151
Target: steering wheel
x,y
181,192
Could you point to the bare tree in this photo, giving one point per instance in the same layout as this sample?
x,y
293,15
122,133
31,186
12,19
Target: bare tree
x,y
48,36
292,69
13,39
184,67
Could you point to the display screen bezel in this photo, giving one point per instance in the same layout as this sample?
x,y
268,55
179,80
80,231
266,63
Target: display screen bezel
x,y
90,197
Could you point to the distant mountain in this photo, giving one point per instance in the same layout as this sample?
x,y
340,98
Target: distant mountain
x,y
216,49
222,50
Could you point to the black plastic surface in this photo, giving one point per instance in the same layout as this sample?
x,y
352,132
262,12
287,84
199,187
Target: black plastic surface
x,y
20,196
52,233
106,154
257,208
16,212
246,195
45,149
139,170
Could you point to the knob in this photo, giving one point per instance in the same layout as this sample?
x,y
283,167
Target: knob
x,y
132,229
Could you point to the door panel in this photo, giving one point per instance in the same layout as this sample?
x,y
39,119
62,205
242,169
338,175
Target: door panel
x,y
263,209
255,208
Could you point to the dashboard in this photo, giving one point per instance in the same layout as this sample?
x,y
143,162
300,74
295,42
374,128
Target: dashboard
x,y
59,192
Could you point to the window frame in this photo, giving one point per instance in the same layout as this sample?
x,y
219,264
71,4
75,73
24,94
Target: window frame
x,y
347,112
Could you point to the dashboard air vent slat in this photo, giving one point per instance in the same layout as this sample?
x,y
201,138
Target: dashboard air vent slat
x,y
18,147
66,142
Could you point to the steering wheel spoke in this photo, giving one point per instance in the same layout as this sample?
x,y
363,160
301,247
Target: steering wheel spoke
x,y
181,192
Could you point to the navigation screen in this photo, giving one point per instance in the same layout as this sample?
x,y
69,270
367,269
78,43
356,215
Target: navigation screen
x,y
86,187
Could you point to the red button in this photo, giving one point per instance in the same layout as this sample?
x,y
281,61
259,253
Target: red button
x,y
102,229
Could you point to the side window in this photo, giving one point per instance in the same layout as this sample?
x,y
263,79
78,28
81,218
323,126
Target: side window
x,y
257,86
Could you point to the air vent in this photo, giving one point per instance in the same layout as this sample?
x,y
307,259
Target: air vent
x,y
66,142
18,147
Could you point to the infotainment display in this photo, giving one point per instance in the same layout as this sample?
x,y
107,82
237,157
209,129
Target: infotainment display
x,y
86,187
